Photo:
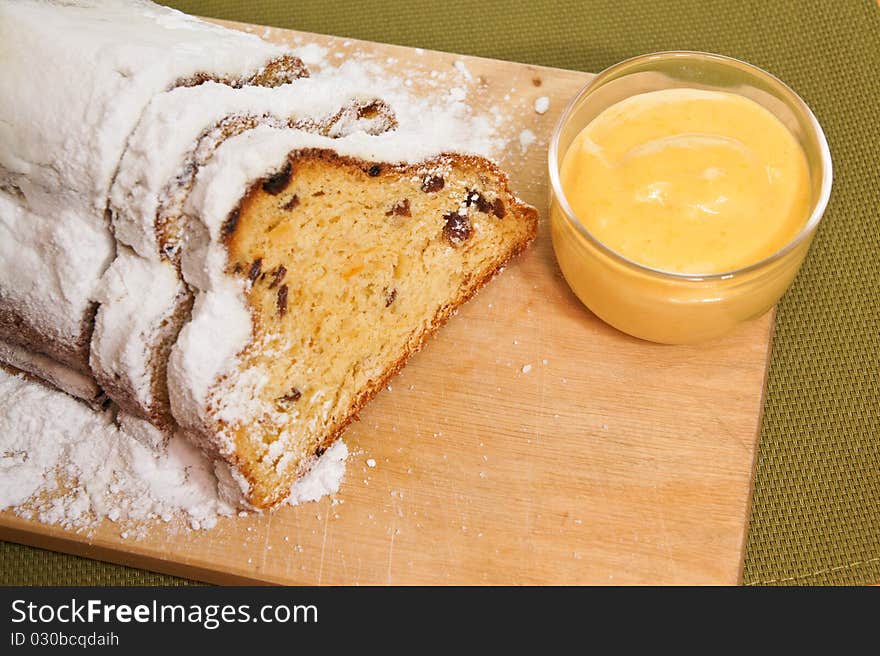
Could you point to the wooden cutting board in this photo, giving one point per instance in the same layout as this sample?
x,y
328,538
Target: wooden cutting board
x,y
527,443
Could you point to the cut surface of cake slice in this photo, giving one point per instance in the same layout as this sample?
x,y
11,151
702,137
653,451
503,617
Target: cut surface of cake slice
x,y
318,278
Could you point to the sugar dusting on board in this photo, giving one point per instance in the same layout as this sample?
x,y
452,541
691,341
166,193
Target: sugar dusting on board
x,y
526,139
61,463
311,54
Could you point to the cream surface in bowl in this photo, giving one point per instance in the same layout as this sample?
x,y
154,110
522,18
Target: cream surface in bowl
x,y
685,191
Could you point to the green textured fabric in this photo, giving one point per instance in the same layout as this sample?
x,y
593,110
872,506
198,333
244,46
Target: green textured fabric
x,y
816,507
21,565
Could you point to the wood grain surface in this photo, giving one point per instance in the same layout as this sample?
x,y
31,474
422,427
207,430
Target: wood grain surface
x,y
527,443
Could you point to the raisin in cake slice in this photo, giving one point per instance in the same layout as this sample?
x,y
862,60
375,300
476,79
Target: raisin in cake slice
x,y
75,79
143,301
321,266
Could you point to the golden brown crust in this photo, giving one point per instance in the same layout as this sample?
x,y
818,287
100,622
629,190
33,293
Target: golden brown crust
x,y
281,70
278,71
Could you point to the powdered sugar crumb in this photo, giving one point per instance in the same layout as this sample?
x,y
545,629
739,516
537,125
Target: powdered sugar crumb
x,y
323,478
311,54
542,104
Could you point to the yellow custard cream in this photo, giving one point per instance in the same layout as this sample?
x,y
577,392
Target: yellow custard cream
x,y
688,181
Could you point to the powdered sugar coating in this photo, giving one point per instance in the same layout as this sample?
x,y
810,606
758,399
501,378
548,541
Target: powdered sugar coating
x,y
65,464
526,139
221,322
49,267
174,136
49,439
105,59
207,346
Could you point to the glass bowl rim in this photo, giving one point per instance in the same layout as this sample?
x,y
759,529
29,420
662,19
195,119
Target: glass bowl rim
x,y
811,224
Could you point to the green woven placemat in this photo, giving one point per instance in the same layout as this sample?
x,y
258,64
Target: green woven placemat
x,y
21,565
816,507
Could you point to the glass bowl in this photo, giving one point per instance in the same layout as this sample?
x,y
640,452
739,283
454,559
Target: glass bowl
x,y
666,306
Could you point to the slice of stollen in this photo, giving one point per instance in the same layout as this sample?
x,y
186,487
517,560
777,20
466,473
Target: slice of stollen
x,y
320,266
